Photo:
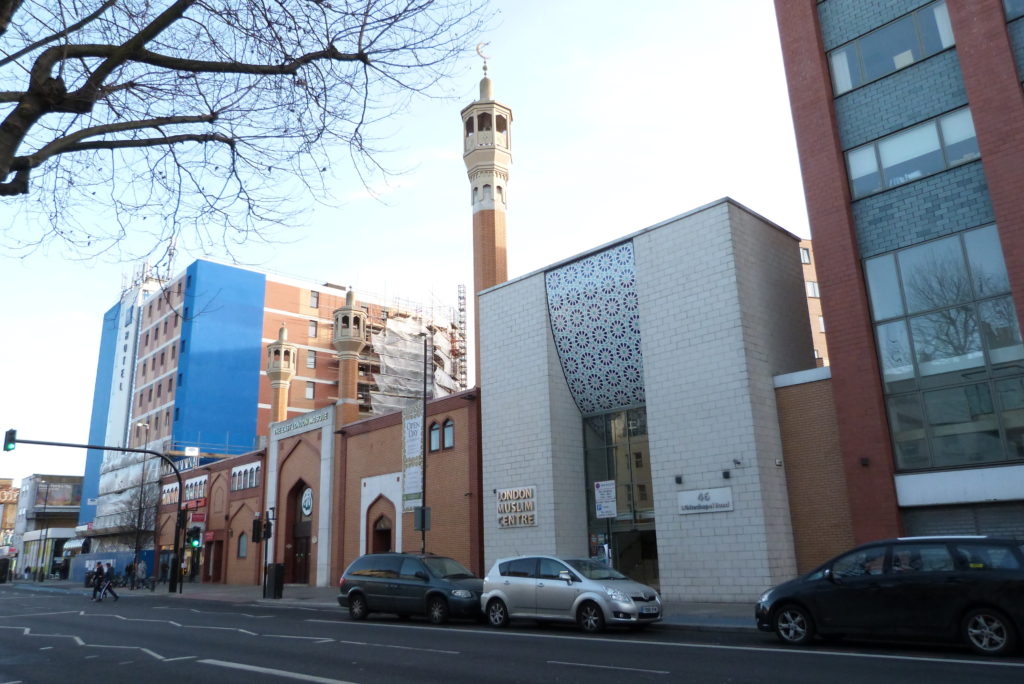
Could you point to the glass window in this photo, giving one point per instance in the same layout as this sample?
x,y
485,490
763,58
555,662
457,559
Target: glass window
x,y
1011,400
860,563
906,420
549,568
812,289
314,299
883,287
964,427
845,69
449,433
934,275
409,568
864,175
921,558
435,437
947,341
1000,330
312,328
243,545
911,154
891,47
805,255
986,556
894,353
958,138
520,567
310,359
310,390
985,257
936,30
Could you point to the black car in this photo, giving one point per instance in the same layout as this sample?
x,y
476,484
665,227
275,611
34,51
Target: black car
x,y
410,584
968,589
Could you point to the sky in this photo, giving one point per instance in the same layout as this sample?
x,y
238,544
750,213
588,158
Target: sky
x,y
623,116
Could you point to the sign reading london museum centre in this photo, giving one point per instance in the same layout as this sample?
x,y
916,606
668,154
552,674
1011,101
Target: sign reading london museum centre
x,y
517,507
716,500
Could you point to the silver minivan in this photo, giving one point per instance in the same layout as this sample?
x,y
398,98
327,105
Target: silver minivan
x,y
579,590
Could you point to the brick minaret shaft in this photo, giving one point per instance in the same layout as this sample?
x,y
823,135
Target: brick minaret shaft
x,y
349,341
487,151
280,369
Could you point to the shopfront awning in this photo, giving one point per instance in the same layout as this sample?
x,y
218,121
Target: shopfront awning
x,y
73,546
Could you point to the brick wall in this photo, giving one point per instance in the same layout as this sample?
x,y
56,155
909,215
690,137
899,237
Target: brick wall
x,y
818,505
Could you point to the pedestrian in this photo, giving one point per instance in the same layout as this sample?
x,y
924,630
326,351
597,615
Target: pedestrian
x,y
163,571
108,578
129,574
140,572
97,582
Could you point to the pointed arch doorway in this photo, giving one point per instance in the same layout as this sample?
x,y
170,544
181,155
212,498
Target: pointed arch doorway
x,y
298,533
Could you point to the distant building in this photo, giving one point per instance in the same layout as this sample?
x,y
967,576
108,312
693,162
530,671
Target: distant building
x,y
910,127
45,524
181,369
817,318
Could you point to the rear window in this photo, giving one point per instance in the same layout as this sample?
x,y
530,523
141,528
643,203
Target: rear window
x,y
521,567
987,556
376,566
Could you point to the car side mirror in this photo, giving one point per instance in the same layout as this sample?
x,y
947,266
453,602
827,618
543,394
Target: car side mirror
x,y
831,576
422,575
566,576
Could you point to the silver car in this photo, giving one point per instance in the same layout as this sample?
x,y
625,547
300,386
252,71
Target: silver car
x,y
568,590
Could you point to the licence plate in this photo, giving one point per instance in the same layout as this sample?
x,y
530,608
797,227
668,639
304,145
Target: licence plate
x,y
648,609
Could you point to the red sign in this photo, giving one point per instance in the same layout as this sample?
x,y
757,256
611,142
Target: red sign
x,y
193,504
198,517
208,536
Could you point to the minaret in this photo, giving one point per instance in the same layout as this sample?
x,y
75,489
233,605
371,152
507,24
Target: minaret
x,y
280,370
487,151
349,341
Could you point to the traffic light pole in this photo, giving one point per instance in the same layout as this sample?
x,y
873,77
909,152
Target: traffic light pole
x,y
10,440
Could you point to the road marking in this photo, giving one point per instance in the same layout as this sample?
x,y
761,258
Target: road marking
x,y
319,640
607,667
223,629
59,612
720,647
271,671
400,648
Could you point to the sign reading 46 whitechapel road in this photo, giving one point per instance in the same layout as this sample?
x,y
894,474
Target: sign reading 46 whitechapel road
x,y
714,500
517,507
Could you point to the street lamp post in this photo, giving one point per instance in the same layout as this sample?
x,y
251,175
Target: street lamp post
x,y
426,438
138,515
44,566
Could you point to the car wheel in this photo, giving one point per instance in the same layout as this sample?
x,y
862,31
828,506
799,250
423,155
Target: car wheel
x,y
497,613
988,632
794,625
357,609
437,610
590,617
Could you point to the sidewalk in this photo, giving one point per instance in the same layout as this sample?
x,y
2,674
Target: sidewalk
x,y
702,616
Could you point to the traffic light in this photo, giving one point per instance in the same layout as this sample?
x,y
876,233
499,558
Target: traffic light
x,y
268,527
10,440
194,537
257,531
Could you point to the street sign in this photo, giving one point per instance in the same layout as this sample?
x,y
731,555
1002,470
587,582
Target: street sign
x,y
191,451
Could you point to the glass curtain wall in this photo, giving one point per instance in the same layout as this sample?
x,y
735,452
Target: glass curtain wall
x,y
620,495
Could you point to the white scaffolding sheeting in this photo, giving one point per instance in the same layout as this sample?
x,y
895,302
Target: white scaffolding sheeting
x,y
399,347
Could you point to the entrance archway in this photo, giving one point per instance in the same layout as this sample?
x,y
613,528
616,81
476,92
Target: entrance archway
x,y
298,528
380,538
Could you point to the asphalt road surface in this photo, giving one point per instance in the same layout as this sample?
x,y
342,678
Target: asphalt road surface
x,y
150,638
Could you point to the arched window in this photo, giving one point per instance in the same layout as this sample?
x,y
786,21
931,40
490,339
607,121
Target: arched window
x,y
234,481
484,121
243,545
435,437
449,433
252,477
256,482
469,126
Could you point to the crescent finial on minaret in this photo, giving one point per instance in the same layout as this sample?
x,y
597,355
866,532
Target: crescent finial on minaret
x,y
480,51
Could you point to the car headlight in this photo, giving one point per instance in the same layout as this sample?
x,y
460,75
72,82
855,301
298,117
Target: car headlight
x,y
616,595
462,593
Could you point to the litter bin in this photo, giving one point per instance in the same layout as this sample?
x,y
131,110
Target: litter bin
x,y
273,583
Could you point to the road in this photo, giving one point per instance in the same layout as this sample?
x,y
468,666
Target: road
x,y
150,638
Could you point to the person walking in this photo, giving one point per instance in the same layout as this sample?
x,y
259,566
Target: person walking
x,y
97,582
108,582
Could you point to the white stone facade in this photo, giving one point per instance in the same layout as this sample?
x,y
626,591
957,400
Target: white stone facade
x,y
722,311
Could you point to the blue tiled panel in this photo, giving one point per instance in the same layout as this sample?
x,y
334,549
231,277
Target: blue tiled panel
x,y
901,99
942,204
595,321
844,20
1016,30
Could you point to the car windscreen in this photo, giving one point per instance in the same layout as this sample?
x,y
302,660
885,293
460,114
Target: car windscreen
x,y
595,571
447,568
